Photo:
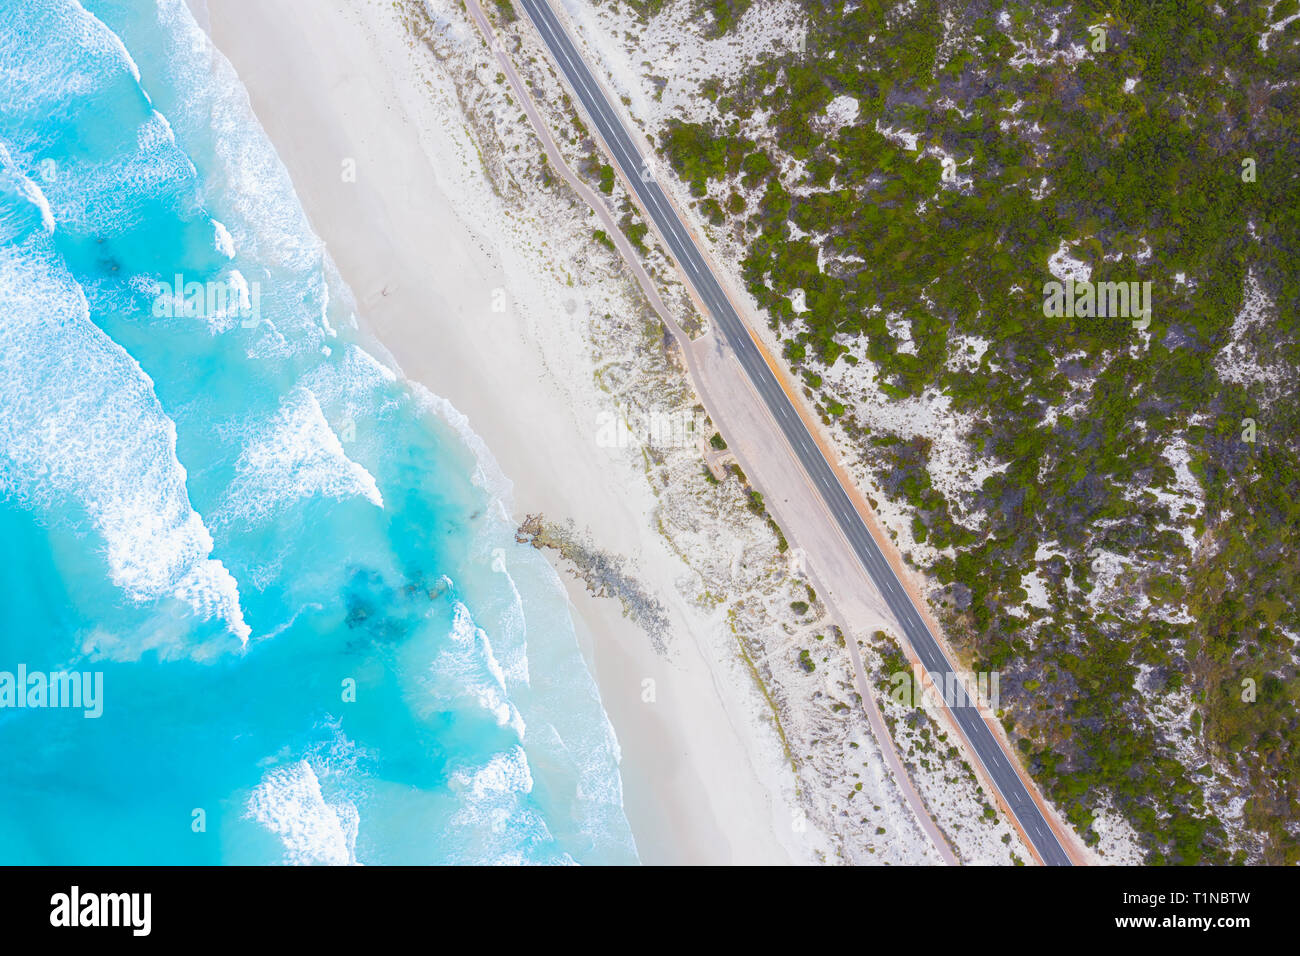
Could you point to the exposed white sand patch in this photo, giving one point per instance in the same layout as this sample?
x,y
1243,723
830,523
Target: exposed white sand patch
x,y
1030,54
1266,37
901,329
1118,842
842,111
1064,266
1034,583
955,471
902,137
673,47
966,351
1109,573
1241,361
798,301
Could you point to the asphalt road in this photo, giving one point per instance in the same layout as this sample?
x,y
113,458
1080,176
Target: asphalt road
x,y
634,166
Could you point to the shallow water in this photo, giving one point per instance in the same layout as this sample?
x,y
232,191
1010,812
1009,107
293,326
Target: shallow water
x,y
295,571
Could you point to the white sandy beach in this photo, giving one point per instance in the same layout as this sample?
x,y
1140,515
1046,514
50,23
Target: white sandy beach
x,y
428,249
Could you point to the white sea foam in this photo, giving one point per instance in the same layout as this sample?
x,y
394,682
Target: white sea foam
x,y
488,474
105,198
219,315
491,795
495,814
352,386
269,224
469,667
225,243
20,217
505,773
59,60
500,490
82,424
589,748
361,385
295,455
290,804
35,75
512,624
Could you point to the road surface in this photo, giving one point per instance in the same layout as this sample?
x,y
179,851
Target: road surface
x,y
638,170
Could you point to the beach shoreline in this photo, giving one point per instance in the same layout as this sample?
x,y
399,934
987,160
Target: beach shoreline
x,y
456,303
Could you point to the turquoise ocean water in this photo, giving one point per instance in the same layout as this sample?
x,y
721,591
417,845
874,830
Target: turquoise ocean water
x,y
319,641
